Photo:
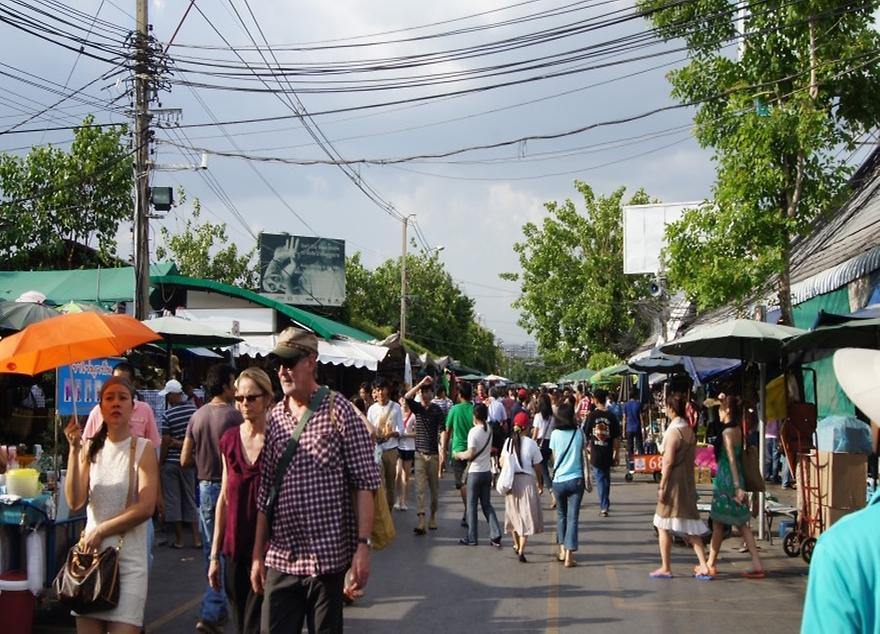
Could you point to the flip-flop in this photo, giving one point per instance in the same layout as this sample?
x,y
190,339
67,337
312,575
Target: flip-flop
x,y
660,575
700,577
177,546
712,571
754,574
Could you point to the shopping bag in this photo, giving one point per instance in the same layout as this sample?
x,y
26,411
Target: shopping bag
x,y
504,484
383,525
751,465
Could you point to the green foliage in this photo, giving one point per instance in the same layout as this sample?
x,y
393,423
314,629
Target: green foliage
x,y
575,297
604,359
197,251
54,199
439,315
781,121
531,372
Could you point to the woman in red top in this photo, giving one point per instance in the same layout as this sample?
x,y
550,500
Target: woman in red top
x,y
236,516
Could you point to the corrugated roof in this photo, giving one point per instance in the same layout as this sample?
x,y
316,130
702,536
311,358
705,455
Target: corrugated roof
x,y
103,286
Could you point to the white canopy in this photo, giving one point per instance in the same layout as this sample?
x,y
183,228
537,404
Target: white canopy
x,y
346,352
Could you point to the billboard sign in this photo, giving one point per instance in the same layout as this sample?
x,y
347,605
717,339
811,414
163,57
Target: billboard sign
x,y
644,234
302,270
80,383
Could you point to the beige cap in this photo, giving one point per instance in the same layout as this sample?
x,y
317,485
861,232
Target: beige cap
x,y
295,342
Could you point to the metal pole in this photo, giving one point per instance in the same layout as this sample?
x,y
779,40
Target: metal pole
x,y
762,405
403,282
141,169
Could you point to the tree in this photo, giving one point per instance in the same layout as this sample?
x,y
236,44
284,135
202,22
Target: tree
x,y
439,315
575,298
196,252
55,200
780,120
600,360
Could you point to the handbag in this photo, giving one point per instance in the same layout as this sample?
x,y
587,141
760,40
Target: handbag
x,y
383,532
504,484
753,481
89,581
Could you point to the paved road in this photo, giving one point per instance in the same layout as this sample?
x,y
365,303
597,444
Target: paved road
x,y
432,584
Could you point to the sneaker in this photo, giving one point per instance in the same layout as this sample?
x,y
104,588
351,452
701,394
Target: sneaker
x,y
432,524
396,506
209,627
464,542
495,542
604,512
404,507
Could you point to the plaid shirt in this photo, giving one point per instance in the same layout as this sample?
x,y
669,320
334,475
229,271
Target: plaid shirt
x,y
314,530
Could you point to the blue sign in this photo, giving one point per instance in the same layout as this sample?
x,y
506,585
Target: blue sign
x,y
81,383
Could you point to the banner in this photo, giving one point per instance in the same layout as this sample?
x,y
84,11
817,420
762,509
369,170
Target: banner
x,y
81,383
302,270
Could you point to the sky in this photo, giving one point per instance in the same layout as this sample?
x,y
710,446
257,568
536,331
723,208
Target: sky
x,y
473,204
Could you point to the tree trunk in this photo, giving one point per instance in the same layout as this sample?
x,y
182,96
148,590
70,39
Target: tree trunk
x,y
784,289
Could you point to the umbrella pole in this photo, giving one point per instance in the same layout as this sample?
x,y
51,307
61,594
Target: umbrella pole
x,y
762,403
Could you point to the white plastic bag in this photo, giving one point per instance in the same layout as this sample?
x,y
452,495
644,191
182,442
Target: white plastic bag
x,y
505,479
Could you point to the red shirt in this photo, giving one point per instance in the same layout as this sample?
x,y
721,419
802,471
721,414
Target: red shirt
x,y
242,485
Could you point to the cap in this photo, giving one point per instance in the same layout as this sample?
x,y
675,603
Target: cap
x,y
295,342
172,387
522,393
521,420
858,372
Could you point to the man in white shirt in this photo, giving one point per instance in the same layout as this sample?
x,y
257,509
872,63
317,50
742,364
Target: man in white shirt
x,y
387,418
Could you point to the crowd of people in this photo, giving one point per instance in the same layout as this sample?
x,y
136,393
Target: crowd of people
x,y
280,493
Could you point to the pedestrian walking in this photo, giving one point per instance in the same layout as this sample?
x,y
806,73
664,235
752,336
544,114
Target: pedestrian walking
x,y
406,450
479,478
236,518
118,474
459,422
201,447
676,510
429,423
178,482
632,420
386,417
309,537
522,506
602,430
567,449
730,502
542,428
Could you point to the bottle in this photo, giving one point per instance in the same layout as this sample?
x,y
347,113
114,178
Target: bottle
x,y
50,507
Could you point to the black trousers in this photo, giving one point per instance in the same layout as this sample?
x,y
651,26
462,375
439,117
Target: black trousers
x,y
244,605
289,601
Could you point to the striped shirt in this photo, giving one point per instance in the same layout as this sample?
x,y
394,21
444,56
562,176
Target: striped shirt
x,y
429,425
173,423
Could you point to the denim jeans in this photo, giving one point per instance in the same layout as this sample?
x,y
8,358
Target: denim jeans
x,y
214,601
568,508
479,487
772,458
602,478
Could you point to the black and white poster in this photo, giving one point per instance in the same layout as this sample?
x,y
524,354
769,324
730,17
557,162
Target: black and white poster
x,y
302,270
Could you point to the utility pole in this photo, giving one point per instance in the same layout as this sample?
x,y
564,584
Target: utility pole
x,y
141,164
403,280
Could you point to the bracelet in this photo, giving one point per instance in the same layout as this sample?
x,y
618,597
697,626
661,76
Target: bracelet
x,y
214,557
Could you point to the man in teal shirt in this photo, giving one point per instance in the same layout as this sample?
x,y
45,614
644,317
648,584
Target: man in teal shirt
x,y
459,422
843,592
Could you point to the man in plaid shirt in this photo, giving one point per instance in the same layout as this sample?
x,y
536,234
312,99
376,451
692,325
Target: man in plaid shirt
x,y
300,561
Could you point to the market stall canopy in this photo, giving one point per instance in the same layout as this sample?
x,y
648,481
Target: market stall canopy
x,y
346,352
471,377
80,307
656,361
611,374
18,315
67,339
743,339
824,340
577,376
495,378
183,333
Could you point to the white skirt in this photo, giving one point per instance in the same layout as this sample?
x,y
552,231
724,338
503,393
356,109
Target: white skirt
x,y
681,526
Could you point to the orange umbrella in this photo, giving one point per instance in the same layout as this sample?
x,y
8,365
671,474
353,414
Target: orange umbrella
x,y
67,339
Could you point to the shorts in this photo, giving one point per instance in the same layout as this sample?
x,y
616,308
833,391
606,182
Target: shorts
x,y
459,471
407,455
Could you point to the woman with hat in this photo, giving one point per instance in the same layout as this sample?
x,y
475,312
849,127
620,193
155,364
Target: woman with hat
x,y
522,508
567,448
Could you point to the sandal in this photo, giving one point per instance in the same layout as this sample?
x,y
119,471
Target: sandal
x,y
659,574
754,574
711,571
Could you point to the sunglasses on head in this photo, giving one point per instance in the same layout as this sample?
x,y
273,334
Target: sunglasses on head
x,y
250,398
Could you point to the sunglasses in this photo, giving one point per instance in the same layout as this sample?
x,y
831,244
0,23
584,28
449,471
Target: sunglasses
x,y
288,363
250,398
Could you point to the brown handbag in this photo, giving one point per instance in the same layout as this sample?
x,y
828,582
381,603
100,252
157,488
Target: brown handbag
x,y
753,481
89,581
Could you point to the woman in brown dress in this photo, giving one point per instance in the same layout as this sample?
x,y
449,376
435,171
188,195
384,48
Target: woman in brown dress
x,y
677,496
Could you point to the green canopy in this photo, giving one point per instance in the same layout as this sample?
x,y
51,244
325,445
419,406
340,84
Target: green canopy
x,y
609,375
584,374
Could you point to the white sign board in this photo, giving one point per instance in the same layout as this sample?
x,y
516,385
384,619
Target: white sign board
x,y
644,229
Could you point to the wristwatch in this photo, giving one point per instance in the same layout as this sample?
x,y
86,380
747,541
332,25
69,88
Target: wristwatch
x,y
366,541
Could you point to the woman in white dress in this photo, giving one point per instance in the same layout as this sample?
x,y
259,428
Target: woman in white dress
x,y
522,508
99,472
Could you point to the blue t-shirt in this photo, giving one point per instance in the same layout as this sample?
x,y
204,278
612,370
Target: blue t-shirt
x,y
571,466
632,409
843,592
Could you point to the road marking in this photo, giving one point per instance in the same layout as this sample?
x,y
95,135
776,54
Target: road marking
x,y
170,616
553,598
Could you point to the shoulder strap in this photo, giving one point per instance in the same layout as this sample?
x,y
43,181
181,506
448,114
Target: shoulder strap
x,y
132,468
290,450
480,452
563,457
